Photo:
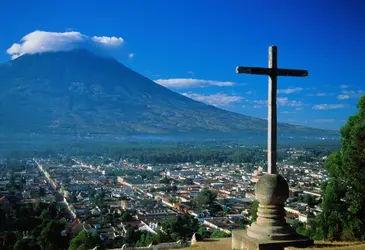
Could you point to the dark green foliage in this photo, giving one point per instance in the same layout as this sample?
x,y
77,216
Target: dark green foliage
x,y
148,238
244,222
161,237
205,199
26,224
3,220
126,216
42,192
254,208
22,245
165,180
187,181
203,232
51,238
132,235
219,234
343,216
10,241
173,200
214,209
310,200
84,240
180,227
308,229
44,234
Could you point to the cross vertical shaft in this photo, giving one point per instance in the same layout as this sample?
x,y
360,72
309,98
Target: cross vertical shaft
x,y
273,72
272,112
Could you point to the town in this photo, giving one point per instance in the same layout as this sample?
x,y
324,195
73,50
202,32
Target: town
x,y
113,199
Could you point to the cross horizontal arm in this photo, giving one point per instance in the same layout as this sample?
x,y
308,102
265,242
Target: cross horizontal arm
x,y
291,72
253,70
270,71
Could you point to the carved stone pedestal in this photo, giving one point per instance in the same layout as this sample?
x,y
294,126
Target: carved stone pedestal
x,y
241,241
270,231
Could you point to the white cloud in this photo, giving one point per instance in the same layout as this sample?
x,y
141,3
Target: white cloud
x,y
43,41
131,55
249,92
318,94
284,101
109,41
344,86
324,120
343,97
218,100
190,73
181,83
287,112
352,93
328,106
289,91
260,102
281,101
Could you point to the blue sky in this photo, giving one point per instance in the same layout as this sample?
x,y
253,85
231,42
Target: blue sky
x,y
194,46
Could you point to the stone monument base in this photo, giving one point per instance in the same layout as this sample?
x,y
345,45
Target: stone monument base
x,y
241,241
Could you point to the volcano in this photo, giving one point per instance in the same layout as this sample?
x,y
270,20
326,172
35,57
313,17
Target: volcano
x,y
78,92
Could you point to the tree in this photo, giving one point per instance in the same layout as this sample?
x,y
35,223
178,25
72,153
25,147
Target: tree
x,y
161,237
215,208
343,204
3,220
10,241
180,227
244,222
203,232
51,238
12,179
22,245
174,189
205,198
165,180
42,191
254,208
91,192
219,234
173,199
132,234
84,240
26,224
187,181
126,216
310,200
148,238
142,241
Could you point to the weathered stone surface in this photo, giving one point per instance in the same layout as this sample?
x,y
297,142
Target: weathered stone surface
x,y
241,241
271,189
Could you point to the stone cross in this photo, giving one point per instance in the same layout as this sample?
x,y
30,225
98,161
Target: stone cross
x,y
273,72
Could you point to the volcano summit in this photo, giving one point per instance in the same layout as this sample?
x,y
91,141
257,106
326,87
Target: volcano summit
x,y
78,92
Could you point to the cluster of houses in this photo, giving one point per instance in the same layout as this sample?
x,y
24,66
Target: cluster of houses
x,y
109,205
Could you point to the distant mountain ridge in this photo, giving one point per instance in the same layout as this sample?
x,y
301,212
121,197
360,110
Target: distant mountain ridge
x,y
77,92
